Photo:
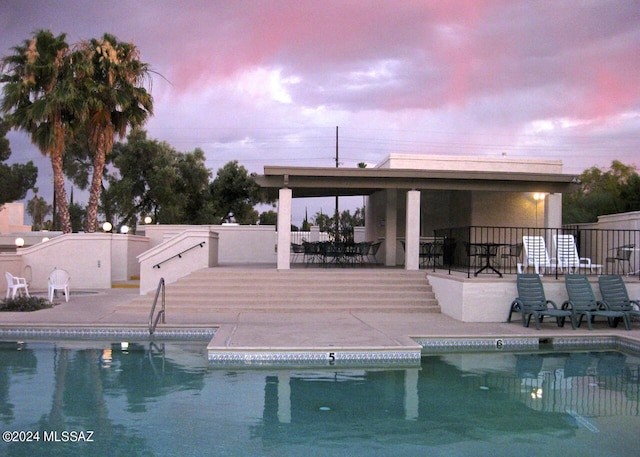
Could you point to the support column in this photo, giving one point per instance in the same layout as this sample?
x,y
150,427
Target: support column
x,y
391,227
412,231
553,211
284,229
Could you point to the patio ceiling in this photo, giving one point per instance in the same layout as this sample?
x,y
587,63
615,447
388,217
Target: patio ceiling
x,y
327,181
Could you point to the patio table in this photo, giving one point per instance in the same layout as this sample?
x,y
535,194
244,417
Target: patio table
x,y
487,251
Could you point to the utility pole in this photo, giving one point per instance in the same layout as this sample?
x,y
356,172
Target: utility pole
x,y
337,215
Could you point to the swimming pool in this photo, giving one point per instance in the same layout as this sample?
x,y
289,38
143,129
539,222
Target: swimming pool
x,y
106,399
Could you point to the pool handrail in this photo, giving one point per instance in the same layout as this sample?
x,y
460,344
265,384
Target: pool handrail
x,y
153,323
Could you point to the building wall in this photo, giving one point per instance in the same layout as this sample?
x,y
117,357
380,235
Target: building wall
x,y
436,162
237,243
506,209
12,218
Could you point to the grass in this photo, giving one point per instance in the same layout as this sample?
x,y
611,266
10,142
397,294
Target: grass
x,y
23,303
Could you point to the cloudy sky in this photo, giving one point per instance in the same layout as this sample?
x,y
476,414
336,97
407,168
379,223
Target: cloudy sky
x,y
268,82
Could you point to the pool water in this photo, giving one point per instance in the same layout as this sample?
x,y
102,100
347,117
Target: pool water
x,y
152,399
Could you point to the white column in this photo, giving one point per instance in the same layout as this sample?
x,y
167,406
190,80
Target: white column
x,y
391,227
284,229
553,211
412,231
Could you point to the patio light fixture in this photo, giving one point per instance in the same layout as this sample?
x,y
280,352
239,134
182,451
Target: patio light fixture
x,y
107,226
148,220
124,229
19,242
537,197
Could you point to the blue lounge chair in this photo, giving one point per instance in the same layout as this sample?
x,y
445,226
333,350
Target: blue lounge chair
x,y
614,294
531,301
583,303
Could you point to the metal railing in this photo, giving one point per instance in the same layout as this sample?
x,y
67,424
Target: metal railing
x,y
179,255
469,249
153,323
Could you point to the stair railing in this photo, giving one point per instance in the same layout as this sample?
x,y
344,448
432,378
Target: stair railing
x,y
153,323
179,255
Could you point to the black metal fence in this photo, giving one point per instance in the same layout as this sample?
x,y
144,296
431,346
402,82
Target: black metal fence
x,y
478,250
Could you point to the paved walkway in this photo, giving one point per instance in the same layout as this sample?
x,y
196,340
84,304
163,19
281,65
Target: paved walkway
x,y
292,330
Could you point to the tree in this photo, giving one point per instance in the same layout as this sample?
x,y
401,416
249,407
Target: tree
x,y
305,223
152,178
268,218
38,209
323,221
112,78
17,179
602,192
40,98
343,228
234,193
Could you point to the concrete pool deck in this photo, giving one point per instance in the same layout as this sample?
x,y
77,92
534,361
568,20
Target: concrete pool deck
x,y
294,331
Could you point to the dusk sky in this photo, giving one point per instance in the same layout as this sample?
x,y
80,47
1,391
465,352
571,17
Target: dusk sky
x,y
267,82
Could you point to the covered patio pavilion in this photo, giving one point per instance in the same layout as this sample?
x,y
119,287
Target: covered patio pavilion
x,y
409,196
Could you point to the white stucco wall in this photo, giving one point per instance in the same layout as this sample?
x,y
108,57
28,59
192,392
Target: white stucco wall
x,y
237,243
12,218
489,300
178,257
469,163
86,256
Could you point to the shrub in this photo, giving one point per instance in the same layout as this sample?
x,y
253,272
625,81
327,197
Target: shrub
x,y
23,303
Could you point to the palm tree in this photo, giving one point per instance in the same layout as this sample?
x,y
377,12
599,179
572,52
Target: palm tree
x,y
115,100
40,98
38,209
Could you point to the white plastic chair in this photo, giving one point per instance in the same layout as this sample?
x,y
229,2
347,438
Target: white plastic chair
x,y
568,258
59,280
15,284
536,254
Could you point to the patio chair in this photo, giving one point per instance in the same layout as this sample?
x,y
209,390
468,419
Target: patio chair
x,y
296,250
614,294
583,303
312,252
568,259
431,253
474,253
622,255
536,254
373,251
510,255
531,301
15,285
59,280
333,252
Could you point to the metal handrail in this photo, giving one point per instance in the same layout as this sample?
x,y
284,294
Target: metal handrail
x,y
157,265
153,323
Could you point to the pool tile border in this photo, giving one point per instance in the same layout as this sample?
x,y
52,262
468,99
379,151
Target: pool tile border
x,y
430,345
315,358
434,345
107,333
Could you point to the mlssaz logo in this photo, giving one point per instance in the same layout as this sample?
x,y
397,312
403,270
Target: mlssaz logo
x,y
69,436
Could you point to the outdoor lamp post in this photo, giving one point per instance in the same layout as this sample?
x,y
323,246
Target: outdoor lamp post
x,y
537,197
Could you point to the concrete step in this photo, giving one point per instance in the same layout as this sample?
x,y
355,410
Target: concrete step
x,y
313,290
